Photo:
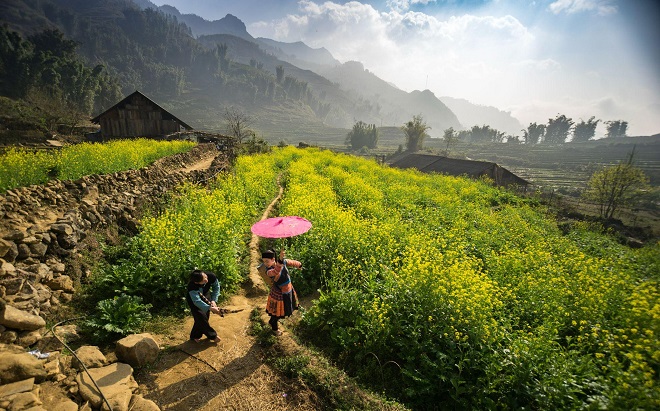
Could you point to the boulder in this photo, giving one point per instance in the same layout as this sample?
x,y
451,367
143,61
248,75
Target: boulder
x,y
14,318
89,355
5,246
17,367
7,268
16,387
28,338
139,403
25,401
115,381
63,282
65,405
137,349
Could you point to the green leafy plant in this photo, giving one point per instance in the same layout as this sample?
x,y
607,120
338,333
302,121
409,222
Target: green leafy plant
x,y
118,316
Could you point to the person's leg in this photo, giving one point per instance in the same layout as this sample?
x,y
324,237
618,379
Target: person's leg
x,y
198,327
209,331
202,326
273,323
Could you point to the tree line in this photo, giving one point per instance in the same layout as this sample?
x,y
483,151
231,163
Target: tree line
x,y
556,131
611,187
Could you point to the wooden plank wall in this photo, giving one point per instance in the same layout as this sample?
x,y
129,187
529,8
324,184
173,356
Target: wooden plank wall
x,y
139,118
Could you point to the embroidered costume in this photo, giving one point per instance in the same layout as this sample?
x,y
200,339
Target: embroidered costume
x,y
282,299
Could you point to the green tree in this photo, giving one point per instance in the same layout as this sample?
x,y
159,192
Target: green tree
x,y
485,134
415,132
585,131
617,129
362,135
279,72
534,133
451,138
558,129
616,186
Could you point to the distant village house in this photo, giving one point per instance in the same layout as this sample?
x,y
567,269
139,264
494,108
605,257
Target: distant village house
x,y
137,116
428,163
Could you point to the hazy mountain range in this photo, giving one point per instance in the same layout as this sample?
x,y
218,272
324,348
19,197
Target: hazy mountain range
x,y
352,75
317,92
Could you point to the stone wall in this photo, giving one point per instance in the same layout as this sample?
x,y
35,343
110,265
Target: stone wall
x,y
42,227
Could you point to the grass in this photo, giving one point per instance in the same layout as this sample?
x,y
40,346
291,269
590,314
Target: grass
x,y
334,387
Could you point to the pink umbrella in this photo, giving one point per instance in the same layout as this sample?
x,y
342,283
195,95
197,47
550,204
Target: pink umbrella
x,y
281,227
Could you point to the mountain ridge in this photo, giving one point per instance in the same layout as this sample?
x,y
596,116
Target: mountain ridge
x,y
321,61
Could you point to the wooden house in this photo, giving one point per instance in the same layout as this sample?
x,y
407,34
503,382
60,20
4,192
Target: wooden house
x,y
137,116
428,163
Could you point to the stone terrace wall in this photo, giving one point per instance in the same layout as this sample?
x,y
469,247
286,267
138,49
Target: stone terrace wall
x,y
41,228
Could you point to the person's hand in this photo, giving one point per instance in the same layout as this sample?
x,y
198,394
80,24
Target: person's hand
x,y
215,310
213,304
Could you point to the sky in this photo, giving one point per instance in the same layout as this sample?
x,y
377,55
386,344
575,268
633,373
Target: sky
x,y
534,59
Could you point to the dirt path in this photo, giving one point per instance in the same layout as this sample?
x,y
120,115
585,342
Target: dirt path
x,y
229,375
203,164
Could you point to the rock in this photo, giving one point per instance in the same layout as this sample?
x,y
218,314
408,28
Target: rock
x,y
8,268
57,267
11,317
139,403
63,282
12,253
68,332
25,401
89,355
8,337
62,228
13,285
137,349
5,246
17,367
65,405
53,370
115,381
23,252
16,235
28,338
16,387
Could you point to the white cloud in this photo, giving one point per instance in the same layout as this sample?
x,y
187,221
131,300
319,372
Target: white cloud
x,y
545,65
403,5
488,59
602,7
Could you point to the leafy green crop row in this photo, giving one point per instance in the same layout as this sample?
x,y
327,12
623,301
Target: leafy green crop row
x,y
21,167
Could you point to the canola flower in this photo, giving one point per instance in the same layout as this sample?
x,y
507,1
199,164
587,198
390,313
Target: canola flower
x,y
22,167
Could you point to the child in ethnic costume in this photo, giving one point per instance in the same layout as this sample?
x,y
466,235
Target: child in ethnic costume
x,y
202,303
282,299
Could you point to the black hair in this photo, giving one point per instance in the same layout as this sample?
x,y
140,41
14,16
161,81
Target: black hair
x,y
197,276
268,254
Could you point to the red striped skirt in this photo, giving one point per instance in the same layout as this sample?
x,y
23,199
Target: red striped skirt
x,y
281,304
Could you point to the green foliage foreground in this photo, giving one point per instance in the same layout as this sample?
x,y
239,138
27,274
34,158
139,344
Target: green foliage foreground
x,y
439,291
22,167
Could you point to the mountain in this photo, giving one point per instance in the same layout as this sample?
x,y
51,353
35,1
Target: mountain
x,y
392,105
154,50
476,115
384,105
299,54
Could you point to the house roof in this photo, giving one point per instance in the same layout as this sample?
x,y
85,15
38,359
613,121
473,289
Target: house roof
x,y
429,163
166,114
